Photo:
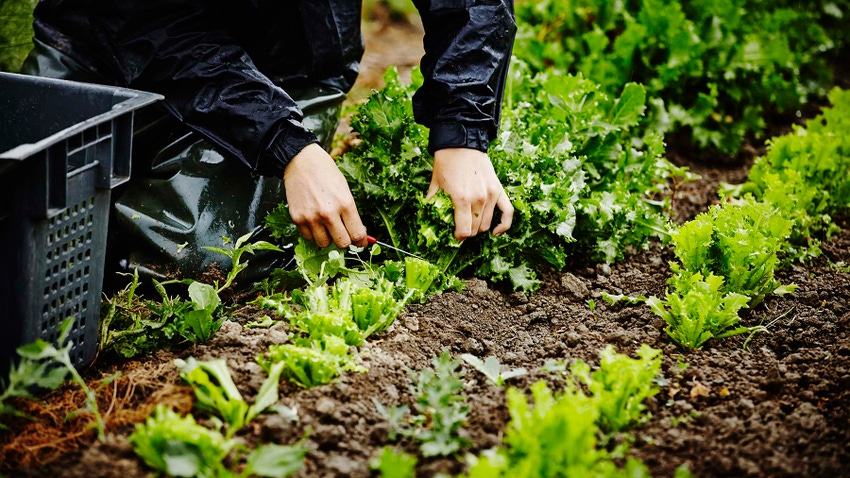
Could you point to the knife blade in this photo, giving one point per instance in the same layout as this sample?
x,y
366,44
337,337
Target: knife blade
x,y
372,240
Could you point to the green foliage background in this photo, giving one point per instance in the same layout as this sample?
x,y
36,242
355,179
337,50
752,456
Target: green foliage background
x,y
15,32
714,68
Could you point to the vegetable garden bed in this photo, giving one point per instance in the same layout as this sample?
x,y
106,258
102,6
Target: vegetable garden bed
x,y
772,403
781,408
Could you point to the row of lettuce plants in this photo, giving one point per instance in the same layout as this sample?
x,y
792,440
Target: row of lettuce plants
x,y
581,430
714,69
727,256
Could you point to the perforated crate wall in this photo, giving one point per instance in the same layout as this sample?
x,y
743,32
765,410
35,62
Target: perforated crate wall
x,y
68,275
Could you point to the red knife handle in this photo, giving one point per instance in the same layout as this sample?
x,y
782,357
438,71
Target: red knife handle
x,y
371,240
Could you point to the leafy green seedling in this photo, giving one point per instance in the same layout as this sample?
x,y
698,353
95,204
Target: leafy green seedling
x,y
490,367
621,385
393,464
132,326
441,407
557,433
556,437
202,320
25,375
553,366
265,323
275,461
419,276
40,351
178,446
615,298
397,418
375,308
312,363
439,411
235,253
697,310
681,365
736,241
216,392
803,174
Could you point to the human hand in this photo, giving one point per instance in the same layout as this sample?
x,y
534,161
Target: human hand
x,y
468,177
320,202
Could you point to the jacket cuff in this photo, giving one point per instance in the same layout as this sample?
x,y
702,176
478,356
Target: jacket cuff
x,y
456,135
291,138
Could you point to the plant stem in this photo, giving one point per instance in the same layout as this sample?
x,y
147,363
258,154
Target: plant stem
x,y
91,397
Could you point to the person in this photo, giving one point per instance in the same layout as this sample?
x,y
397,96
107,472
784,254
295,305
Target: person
x,y
240,78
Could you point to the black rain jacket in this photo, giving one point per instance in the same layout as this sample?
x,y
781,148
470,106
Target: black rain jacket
x,y
224,66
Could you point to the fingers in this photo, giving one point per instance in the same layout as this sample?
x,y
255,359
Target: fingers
x,y
354,226
463,221
433,188
305,231
342,227
487,213
504,205
320,234
336,230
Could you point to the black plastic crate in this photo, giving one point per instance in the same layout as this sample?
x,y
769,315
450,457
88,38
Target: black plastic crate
x,y
63,146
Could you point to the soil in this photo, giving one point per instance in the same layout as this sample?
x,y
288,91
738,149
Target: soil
x,y
776,404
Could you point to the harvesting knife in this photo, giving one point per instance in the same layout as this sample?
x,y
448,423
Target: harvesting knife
x,y
372,240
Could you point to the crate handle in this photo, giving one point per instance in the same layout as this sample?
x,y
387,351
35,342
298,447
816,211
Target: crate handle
x,y
114,168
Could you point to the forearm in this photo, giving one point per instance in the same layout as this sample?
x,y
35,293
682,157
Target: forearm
x,y
209,82
467,51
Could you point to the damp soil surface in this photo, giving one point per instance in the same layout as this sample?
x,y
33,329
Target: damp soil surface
x,y
779,407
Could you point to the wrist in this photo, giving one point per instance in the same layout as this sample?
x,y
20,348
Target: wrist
x,y
452,154
304,158
457,135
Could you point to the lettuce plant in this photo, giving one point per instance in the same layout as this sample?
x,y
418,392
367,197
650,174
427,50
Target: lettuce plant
x,y
555,437
698,309
620,385
580,178
215,391
804,175
739,242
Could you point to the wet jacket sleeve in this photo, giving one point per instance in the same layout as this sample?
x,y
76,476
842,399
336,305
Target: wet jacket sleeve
x,y
467,52
179,49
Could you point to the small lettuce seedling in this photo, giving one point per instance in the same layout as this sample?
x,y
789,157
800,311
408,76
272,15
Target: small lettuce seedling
x,y
375,308
697,309
439,412
309,363
216,392
179,446
621,385
491,367
738,242
393,464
